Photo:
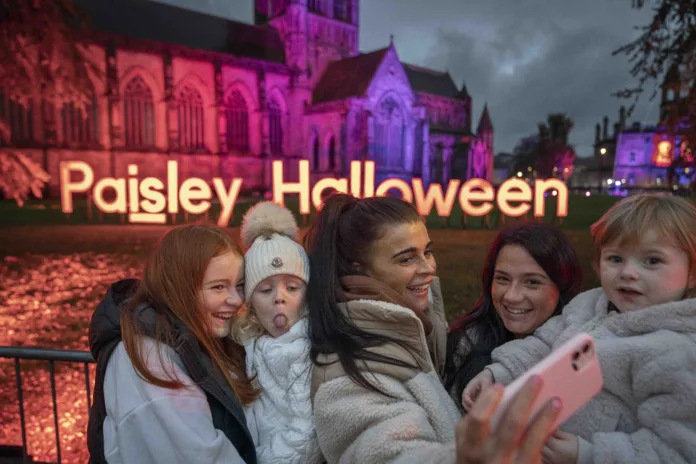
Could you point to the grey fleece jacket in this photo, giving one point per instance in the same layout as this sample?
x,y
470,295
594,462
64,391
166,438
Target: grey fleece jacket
x,y
646,411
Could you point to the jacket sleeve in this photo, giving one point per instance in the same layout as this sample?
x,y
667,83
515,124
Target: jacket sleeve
x,y
171,430
157,425
517,356
666,389
355,425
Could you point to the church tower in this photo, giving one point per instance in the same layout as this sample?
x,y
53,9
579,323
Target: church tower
x,y
484,132
315,32
485,129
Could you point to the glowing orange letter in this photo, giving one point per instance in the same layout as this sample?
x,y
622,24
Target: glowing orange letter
x,y
227,198
398,184
541,186
119,186
442,205
340,185
67,188
369,176
476,190
355,178
514,190
172,187
280,188
194,189
153,202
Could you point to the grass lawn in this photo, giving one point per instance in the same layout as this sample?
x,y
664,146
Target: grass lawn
x,y
459,253
582,212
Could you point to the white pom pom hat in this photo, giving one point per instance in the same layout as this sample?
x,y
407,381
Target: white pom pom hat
x,y
270,231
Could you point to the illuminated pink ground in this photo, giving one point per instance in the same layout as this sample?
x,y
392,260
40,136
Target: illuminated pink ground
x,y
46,300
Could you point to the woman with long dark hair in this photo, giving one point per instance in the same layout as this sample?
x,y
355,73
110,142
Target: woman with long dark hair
x,y
377,332
531,272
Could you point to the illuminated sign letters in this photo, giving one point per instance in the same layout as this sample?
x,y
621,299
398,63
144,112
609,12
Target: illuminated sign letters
x,y
149,199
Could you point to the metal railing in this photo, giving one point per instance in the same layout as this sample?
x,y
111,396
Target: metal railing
x,y
51,356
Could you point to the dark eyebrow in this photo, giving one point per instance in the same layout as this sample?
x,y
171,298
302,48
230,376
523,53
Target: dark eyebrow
x,y
526,274
412,250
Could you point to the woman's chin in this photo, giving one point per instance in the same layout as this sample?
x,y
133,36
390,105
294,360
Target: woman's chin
x,y
417,303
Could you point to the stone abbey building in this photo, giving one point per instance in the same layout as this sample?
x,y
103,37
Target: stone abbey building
x,y
224,98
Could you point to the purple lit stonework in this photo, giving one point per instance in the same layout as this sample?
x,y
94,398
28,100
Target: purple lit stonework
x,y
225,99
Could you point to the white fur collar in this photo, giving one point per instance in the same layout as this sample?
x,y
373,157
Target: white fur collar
x,y
676,316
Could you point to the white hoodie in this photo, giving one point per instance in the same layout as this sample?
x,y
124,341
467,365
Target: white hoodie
x,y
281,420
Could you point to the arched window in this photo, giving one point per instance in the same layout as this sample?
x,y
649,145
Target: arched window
x,y
138,114
314,5
340,8
190,115
418,150
275,127
389,133
315,152
332,153
79,122
20,118
237,122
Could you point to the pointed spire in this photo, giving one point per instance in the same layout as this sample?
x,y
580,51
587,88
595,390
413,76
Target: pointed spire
x,y
485,124
463,94
391,40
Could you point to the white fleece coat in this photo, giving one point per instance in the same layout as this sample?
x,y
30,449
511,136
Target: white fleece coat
x,y
646,411
280,421
359,426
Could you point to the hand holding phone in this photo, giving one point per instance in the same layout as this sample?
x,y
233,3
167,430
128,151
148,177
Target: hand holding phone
x,y
570,373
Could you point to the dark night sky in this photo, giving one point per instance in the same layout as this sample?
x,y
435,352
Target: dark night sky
x,y
526,58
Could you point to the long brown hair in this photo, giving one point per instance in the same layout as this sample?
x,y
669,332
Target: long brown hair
x,y
171,281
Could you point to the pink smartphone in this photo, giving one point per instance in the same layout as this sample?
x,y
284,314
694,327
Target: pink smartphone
x,y
571,373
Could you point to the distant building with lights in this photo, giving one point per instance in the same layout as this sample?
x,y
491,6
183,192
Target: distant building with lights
x,y
225,99
644,154
593,172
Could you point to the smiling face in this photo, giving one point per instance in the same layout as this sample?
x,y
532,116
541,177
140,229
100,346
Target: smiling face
x,y
222,293
277,302
403,259
650,273
523,294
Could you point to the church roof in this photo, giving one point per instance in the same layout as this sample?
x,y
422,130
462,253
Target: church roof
x,y
347,78
147,19
427,80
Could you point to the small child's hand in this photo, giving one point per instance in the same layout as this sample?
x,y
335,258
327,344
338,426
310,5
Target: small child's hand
x,y
474,388
561,448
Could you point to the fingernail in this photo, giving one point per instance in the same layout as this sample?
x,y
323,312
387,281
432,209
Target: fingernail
x,y
556,403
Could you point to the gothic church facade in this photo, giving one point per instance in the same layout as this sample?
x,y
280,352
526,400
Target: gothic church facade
x,y
225,99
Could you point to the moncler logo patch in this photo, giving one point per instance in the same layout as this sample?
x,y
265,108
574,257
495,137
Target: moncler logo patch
x,y
277,263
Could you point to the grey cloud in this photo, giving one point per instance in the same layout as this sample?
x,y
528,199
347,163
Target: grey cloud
x,y
573,71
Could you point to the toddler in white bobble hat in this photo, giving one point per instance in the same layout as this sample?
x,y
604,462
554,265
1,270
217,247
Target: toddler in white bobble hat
x,y
273,330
